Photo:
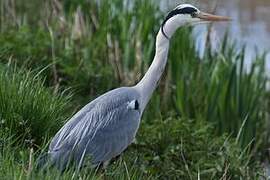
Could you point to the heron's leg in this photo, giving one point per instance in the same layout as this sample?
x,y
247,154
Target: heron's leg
x,y
105,164
103,169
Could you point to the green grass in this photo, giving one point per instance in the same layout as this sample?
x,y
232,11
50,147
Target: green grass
x,y
29,111
207,119
187,149
166,149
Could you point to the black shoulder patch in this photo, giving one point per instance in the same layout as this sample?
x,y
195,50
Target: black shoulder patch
x,y
136,105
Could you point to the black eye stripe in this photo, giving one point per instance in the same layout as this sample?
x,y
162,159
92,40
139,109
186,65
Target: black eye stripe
x,y
186,10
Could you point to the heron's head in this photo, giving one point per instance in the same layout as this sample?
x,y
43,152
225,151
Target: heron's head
x,y
186,14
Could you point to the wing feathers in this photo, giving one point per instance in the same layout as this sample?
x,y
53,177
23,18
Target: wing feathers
x,y
103,129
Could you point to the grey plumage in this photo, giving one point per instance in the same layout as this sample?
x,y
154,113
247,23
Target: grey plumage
x,y
102,129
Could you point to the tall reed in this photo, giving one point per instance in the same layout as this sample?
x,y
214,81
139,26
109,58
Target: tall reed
x,y
219,88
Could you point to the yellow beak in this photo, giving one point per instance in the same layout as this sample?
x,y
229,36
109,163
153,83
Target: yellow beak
x,y
211,17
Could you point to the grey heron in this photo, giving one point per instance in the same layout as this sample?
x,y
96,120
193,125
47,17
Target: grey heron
x,y
105,127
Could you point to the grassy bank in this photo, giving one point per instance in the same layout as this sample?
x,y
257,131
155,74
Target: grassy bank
x,y
207,119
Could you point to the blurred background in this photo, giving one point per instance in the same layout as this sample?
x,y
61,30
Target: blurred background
x,y
208,119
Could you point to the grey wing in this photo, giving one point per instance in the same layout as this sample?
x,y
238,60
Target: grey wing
x,y
112,137
103,131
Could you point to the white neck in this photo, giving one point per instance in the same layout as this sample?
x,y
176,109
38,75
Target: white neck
x,y
150,80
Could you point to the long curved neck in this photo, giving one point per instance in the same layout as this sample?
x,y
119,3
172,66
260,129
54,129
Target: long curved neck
x,y
149,82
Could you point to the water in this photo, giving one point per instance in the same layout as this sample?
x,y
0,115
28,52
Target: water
x,y
250,25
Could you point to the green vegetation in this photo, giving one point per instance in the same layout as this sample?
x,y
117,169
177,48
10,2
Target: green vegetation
x,y
166,149
207,119
28,110
223,91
